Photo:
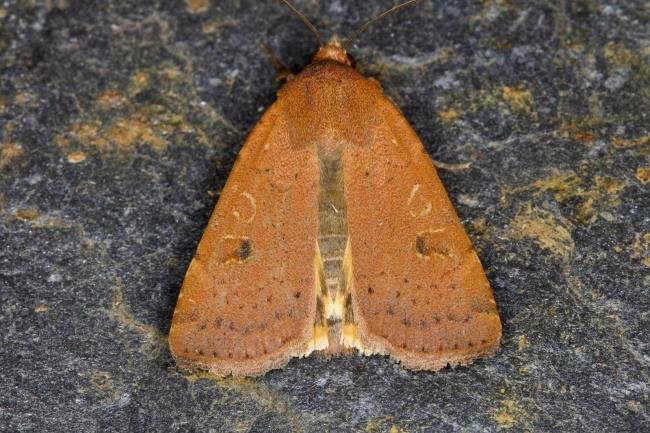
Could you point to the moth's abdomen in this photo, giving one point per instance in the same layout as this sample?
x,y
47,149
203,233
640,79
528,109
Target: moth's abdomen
x,y
332,220
332,243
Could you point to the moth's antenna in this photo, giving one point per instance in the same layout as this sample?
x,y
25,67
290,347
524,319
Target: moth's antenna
x,y
379,17
304,19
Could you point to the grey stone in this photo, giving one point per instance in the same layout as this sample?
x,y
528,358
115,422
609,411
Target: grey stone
x,y
120,120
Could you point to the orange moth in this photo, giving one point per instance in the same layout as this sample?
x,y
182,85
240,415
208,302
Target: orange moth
x,y
333,233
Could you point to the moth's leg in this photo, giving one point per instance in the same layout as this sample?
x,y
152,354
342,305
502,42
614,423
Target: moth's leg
x,y
284,74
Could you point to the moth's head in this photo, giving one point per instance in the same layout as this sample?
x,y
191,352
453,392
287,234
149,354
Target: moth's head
x,y
333,51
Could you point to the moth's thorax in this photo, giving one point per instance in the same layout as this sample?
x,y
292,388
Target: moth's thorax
x,y
329,104
329,145
333,51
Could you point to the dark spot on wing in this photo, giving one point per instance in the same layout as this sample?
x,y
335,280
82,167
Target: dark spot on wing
x,y
233,250
244,249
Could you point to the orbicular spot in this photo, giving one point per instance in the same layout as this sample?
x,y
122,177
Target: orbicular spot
x,y
233,249
417,203
244,207
435,243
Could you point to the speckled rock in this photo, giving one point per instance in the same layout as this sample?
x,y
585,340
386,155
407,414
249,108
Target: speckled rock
x,y
119,122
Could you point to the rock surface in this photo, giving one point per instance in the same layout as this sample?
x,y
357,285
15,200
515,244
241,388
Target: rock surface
x,y
120,120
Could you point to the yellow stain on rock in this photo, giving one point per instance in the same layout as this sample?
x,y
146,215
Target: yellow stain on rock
x,y
197,6
549,231
582,129
504,419
110,387
522,343
76,157
449,115
102,380
643,174
110,99
139,81
510,414
22,99
149,125
126,132
254,389
382,65
42,308
594,195
619,55
26,214
123,134
641,249
585,137
9,151
628,143
609,184
507,100
202,375
118,122
121,313
216,26
377,424
171,73
490,8
519,98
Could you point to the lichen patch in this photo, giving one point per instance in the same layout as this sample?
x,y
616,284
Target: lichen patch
x,y
549,231
519,98
591,196
9,151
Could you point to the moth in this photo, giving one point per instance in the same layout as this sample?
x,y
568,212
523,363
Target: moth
x,y
333,234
